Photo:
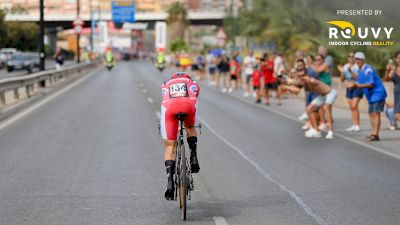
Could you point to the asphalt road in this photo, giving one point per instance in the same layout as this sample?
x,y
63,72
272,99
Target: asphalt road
x,y
93,156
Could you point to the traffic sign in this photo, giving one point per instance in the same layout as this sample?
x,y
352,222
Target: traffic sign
x,y
78,21
161,35
78,24
123,11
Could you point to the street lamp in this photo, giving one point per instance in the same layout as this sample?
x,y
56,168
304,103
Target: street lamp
x,y
41,37
92,25
78,12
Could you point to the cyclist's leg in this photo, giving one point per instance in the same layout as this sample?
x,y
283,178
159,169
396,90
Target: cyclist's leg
x,y
169,128
192,139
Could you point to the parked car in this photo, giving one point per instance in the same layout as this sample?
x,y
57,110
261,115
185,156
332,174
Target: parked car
x,y
23,61
5,55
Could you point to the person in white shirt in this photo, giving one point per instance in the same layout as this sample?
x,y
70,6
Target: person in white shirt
x,y
249,63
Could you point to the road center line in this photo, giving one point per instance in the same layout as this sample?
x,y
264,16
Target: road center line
x,y
269,178
144,90
150,100
219,220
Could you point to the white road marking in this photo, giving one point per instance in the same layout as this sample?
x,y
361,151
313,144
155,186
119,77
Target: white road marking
x,y
150,100
355,141
269,178
46,100
219,220
144,90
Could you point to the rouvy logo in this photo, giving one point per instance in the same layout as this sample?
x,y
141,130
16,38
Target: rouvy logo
x,y
377,36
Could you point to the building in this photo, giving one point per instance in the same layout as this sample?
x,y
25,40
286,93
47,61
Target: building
x,y
69,6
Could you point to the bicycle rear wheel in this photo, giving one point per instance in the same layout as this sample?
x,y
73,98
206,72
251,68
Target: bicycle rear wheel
x,y
182,182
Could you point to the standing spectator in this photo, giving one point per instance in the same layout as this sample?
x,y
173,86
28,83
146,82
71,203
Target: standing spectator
x,y
223,67
239,60
374,91
393,74
279,70
249,63
279,66
59,58
270,80
212,67
256,76
389,111
353,95
234,68
200,66
299,55
328,60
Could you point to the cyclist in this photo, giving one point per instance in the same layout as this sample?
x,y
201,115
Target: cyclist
x,y
160,58
109,58
180,95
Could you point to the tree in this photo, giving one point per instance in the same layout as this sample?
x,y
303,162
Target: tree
x,y
178,45
177,21
2,28
21,35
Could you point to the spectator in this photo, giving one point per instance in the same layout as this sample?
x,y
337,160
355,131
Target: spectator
x,y
328,60
200,66
374,91
223,67
256,76
299,55
59,58
349,74
270,81
234,71
249,63
324,76
393,74
326,98
389,111
212,67
310,96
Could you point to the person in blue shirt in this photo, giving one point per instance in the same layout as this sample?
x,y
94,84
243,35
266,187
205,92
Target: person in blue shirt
x,y
369,80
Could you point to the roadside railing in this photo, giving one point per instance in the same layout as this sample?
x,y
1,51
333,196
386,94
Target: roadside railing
x,y
14,89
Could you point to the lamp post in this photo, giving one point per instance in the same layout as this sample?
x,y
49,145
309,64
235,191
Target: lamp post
x,y
92,25
41,37
78,12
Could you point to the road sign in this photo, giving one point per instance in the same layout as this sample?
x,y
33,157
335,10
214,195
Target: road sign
x,y
123,11
161,36
78,24
78,21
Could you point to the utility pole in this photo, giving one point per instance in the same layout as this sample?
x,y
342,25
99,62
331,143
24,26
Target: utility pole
x,y
78,12
92,25
41,37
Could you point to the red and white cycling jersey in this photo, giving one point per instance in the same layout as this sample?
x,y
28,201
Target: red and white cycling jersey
x,y
179,96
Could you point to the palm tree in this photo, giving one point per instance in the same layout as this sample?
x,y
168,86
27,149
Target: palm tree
x,y
177,21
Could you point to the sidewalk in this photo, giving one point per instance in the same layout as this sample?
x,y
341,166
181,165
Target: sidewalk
x,y
293,107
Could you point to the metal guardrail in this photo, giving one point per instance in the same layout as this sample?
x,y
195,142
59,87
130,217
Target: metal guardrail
x,y
38,80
